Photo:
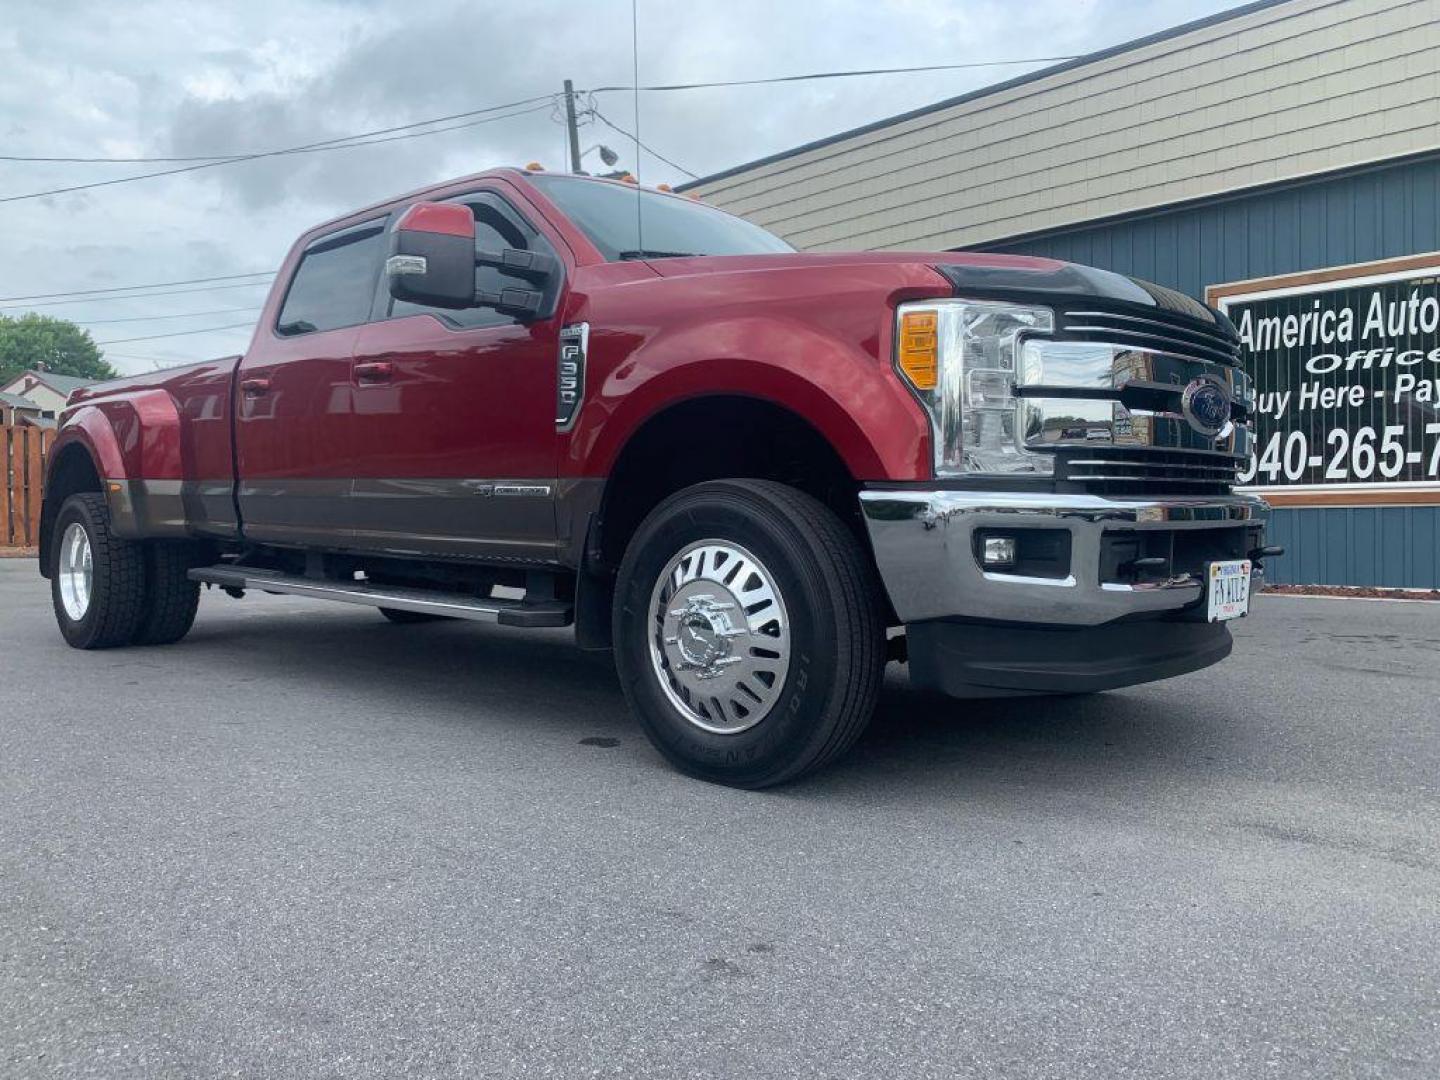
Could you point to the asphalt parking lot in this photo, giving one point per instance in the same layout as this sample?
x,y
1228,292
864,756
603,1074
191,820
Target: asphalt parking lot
x,y
307,843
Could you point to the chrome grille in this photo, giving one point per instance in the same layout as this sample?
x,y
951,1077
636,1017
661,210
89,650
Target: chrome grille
x,y
1107,395
1117,472
1104,394
1158,332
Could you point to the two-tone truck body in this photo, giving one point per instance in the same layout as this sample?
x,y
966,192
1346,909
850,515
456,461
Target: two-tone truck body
x,y
744,468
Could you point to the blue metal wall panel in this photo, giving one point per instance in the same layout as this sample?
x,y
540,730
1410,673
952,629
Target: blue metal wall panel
x,y
1380,213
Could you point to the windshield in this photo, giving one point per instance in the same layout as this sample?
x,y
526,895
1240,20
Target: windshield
x,y
666,225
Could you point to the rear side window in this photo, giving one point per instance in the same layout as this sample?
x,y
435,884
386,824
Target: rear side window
x,y
334,286
497,225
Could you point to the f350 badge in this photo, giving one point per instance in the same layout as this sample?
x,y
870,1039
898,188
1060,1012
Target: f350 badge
x,y
570,374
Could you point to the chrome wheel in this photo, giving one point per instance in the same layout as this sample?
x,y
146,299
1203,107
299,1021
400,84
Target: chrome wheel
x,y
76,572
719,636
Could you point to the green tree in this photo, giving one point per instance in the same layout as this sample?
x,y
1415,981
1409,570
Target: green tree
x,y
62,347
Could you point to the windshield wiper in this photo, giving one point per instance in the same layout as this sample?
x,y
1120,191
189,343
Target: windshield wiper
x,y
647,253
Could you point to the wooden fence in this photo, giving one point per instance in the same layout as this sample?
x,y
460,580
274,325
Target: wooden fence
x,y
22,469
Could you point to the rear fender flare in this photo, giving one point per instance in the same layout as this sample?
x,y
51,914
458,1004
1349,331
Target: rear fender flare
x,y
130,440
131,437
91,430
94,442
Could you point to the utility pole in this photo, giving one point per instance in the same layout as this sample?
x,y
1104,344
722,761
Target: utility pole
x,y
574,128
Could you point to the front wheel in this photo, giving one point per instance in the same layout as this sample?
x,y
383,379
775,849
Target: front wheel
x,y
748,632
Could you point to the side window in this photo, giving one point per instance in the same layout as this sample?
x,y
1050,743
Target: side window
x,y
497,225
334,285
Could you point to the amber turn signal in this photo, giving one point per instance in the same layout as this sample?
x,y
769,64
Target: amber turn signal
x,y
919,351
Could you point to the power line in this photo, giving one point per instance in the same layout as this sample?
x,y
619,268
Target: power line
x,y
178,333
209,160
317,148
135,296
219,159
151,285
157,318
636,139
112,161
785,79
247,155
344,142
832,75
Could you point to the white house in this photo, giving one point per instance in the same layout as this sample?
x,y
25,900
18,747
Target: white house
x,y
47,390
16,410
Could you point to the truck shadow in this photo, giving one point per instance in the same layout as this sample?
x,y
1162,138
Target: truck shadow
x,y
926,740
486,677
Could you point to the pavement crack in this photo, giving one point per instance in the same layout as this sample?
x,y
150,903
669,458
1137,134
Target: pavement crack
x,y
1289,834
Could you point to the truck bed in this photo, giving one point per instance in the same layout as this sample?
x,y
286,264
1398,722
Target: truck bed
x,y
167,436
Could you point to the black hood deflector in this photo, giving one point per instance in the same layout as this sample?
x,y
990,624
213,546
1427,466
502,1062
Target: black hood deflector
x,y
1072,282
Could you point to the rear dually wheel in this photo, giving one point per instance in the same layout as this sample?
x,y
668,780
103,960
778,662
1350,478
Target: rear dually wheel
x,y
98,585
171,598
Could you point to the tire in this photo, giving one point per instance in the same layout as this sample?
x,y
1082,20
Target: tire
x,y
409,618
692,654
112,607
171,598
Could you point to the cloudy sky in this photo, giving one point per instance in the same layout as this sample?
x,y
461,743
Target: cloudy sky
x,y
184,79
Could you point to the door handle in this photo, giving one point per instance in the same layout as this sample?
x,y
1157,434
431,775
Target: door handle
x,y
254,387
373,371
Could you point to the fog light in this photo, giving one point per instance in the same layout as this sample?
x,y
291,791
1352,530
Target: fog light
x,y
998,552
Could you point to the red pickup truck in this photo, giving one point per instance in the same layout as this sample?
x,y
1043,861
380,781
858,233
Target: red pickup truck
x,y
757,475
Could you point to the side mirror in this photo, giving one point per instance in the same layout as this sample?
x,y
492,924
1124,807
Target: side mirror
x,y
432,256
536,267
433,259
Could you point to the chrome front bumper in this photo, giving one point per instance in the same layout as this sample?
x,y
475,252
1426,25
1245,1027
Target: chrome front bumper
x,y
924,547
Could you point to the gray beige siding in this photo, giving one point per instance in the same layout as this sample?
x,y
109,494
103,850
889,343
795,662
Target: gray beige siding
x,y
1290,90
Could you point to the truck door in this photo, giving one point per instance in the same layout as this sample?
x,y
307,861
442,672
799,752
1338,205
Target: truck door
x,y
455,411
295,439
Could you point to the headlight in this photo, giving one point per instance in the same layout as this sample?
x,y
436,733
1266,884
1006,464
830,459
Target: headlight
x,y
960,356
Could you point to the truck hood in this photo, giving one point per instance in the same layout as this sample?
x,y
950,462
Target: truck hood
x,y
977,274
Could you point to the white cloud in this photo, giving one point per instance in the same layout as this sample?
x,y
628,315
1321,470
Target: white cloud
x,y
163,78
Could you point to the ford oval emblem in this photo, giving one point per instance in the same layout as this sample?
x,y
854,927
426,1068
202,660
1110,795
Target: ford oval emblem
x,y
1206,404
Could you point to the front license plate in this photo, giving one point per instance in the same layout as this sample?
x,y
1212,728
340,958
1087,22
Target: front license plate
x,y
1229,589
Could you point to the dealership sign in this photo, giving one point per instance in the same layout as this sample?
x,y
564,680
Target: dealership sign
x,y
1346,366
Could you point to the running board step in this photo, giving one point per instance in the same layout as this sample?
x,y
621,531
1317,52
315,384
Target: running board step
x,y
425,601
